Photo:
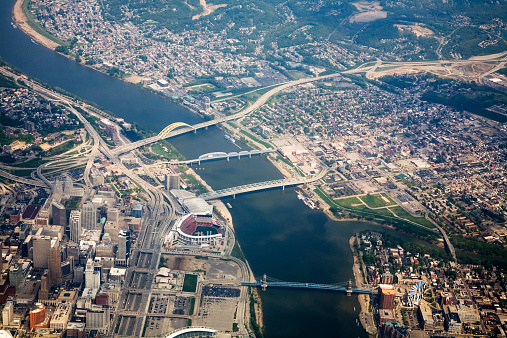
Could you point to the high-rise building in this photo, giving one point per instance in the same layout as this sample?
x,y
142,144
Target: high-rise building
x,y
61,316
97,318
97,178
68,185
92,275
75,226
89,216
207,103
121,254
29,126
38,315
45,285
172,181
55,264
16,275
59,214
113,215
137,210
79,274
387,295
7,313
41,246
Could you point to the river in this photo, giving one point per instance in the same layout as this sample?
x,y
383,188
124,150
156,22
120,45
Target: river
x,y
279,235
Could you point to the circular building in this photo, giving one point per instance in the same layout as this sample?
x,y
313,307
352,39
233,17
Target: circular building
x,y
192,332
196,230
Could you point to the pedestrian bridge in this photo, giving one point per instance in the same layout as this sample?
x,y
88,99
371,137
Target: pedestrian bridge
x,y
227,156
346,287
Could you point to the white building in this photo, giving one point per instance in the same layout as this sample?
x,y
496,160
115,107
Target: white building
x,y
92,275
75,225
7,313
89,216
97,318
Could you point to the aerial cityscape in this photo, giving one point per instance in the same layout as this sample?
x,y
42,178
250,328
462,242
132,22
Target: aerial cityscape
x,y
253,168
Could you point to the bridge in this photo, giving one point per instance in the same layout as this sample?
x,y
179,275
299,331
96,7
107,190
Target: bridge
x,y
222,155
345,287
18,179
253,107
183,128
167,130
233,191
280,183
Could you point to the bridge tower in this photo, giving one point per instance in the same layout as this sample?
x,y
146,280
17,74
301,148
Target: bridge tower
x,y
264,284
349,288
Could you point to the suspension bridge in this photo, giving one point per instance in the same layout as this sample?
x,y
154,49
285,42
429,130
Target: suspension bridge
x,y
345,287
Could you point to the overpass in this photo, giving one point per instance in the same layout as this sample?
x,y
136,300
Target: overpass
x,y
185,128
223,155
18,179
345,287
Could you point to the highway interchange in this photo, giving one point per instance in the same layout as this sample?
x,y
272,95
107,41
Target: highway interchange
x,y
144,257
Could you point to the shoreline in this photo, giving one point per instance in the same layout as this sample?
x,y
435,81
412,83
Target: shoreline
x,y
364,299
21,21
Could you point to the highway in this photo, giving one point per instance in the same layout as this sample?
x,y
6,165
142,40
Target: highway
x,y
256,105
159,213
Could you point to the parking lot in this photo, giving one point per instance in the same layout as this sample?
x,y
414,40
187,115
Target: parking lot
x,y
218,307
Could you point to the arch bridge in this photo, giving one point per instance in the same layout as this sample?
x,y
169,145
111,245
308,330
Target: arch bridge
x,y
167,130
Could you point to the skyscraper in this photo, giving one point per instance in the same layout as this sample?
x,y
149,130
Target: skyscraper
x,y
59,214
121,254
68,185
89,216
45,285
75,226
92,275
55,264
41,246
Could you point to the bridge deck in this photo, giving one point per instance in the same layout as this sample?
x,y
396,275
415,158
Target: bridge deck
x,y
330,287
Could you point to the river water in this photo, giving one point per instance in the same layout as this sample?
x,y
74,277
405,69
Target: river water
x,y
279,235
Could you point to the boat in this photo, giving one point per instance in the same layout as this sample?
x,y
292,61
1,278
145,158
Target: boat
x,y
306,200
13,25
33,41
229,205
230,138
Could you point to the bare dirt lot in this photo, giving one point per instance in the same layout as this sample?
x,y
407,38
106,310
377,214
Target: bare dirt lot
x,y
418,29
368,16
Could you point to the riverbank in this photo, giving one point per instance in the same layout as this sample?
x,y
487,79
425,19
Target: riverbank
x,y
222,209
365,316
21,21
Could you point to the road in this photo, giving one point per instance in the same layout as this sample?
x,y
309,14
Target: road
x,y
159,211
253,107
